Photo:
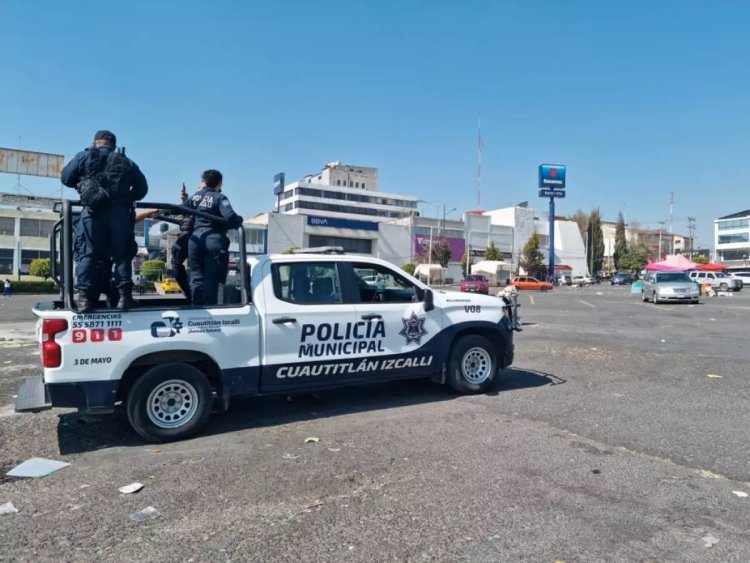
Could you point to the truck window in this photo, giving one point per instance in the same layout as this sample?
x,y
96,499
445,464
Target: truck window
x,y
307,282
380,284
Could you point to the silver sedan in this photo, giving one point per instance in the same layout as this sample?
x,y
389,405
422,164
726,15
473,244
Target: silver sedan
x,y
669,286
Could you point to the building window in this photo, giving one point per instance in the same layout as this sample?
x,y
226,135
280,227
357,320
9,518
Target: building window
x,y
356,184
734,224
363,185
8,226
338,182
36,227
6,261
351,184
735,254
732,239
353,245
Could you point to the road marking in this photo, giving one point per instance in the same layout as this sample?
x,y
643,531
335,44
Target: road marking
x,y
531,297
587,303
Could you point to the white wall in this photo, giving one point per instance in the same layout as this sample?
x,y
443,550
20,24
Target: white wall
x,y
393,244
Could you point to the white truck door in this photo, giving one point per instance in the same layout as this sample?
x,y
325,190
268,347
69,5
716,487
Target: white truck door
x,y
309,332
411,344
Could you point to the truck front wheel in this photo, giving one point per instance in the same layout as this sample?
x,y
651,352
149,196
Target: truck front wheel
x,y
169,402
472,365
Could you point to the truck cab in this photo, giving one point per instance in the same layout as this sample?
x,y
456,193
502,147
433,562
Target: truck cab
x,y
293,322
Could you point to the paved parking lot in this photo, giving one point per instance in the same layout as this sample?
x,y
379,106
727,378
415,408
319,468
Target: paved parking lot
x,y
607,440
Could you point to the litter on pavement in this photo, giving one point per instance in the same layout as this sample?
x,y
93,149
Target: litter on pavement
x,y
741,494
36,467
7,508
132,488
312,440
709,540
714,376
148,513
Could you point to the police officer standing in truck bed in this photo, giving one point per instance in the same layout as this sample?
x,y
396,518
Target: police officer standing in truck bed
x,y
208,251
108,184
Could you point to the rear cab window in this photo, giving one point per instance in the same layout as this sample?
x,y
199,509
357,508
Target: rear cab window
x,y
307,283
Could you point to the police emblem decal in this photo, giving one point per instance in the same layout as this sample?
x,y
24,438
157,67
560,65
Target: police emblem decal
x,y
413,329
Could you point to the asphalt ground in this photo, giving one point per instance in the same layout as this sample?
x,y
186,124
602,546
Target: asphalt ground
x,y
607,440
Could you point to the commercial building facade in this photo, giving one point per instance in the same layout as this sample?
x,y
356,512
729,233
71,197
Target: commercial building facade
x,y
732,239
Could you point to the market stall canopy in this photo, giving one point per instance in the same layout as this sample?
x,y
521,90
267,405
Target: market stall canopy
x,y
673,262
429,271
711,267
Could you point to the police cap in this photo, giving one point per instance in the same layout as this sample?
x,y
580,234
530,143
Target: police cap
x,y
104,135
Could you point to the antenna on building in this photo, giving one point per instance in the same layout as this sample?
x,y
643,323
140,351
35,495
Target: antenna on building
x,y
480,147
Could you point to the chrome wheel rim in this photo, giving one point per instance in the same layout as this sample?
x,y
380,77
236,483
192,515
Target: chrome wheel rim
x,y
172,404
476,365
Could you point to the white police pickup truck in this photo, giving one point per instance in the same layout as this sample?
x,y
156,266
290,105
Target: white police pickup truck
x,y
299,322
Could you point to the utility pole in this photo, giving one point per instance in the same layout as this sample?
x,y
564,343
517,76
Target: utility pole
x,y
480,147
661,227
691,229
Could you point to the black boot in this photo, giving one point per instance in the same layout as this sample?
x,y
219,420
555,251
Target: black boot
x,y
84,304
126,299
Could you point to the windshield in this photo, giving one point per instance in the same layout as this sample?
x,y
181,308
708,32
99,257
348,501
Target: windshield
x,y
474,278
672,277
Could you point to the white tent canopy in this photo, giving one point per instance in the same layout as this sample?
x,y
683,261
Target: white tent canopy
x,y
430,271
496,269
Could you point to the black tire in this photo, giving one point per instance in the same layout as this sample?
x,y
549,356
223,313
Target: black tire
x,y
695,301
723,287
190,395
643,296
543,289
483,354
654,299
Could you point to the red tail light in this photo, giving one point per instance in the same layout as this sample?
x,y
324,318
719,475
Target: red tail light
x,y
51,351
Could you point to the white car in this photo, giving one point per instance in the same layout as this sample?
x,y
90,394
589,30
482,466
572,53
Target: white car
x,y
717,280
744,277
583,280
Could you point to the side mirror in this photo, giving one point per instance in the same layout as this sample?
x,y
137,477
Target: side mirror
x,y
429,303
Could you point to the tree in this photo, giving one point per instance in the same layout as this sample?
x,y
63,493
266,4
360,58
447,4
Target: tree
x,y
621,243
409,268
441,252
532,259
152,270
40,267
465,261
491,252
635,259
595,255
582,220
697,258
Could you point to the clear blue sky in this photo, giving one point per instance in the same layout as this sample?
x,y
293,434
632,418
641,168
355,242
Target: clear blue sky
x,y
637,98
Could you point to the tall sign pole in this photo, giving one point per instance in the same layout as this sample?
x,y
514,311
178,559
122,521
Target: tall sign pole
x,y
551,185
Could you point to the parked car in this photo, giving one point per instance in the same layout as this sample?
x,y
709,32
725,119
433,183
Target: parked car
x,y
669,286
527,282
475,284
621,278
744,277
717,280
583,280
563,279
170,285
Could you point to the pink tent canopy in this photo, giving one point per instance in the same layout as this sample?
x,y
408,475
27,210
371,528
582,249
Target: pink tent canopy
x,y
674,262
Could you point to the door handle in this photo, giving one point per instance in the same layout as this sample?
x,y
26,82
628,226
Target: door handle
x,y
284,320
371,316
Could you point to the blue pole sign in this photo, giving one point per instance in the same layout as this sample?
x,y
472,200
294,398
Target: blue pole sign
x,y
551,193
278,184
552,176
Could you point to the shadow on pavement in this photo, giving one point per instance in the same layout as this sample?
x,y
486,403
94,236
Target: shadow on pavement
x,y
77,434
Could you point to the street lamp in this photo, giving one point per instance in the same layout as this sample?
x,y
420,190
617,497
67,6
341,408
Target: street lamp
x,y
661,226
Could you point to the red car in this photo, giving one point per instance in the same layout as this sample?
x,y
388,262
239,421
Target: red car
x,y
475,284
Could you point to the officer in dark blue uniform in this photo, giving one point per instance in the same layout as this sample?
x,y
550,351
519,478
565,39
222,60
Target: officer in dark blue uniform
x,y
108,184
180,250
208,251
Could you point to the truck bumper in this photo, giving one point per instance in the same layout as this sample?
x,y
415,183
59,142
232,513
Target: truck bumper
x,y
89,396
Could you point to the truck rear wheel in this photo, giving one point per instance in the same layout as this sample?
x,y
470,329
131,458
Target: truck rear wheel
x,y
472,365
169,402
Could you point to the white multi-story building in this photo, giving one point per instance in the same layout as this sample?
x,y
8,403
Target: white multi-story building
x,y
344,191
732,238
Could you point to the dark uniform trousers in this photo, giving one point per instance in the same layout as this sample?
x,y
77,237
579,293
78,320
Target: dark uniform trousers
x,y
208,254
179,255
103,238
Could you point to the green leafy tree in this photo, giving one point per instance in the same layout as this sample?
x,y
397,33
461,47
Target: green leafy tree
x,y
491,252
697,258
409,268
441,252
621,244
465,262
595,255
290,250
153,270
40,267
635,259
532,259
